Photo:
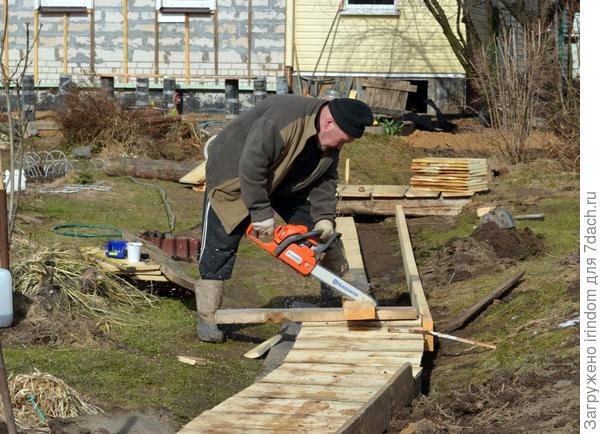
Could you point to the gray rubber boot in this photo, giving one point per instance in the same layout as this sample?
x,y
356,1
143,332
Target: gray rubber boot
x,y
336,262
209,294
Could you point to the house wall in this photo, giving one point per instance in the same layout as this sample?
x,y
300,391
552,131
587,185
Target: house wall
x,y
411,42
409,45
97,43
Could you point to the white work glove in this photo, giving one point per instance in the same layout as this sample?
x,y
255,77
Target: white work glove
x,y
326,228
264,229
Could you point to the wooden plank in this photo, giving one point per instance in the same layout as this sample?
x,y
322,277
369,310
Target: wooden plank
x,y
358,310
121,264
390,358
417,193
149,278
262,315
361,325
168,266
348,191
196,176
382,344
381,191
413,280
344,367
319,333
286,406
468,314
391,84
341,368
263,347
354,191
194,427
305,391
325,378
412,207
375,415
271,422
346,226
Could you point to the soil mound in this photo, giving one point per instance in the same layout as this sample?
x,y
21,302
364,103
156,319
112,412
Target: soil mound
x,y
488,249
39,321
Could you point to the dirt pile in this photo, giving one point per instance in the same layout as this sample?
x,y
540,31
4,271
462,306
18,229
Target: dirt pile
x,y
40,321
548,402
488,249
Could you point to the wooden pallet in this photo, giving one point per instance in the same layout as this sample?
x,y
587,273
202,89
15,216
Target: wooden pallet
x,y
340,376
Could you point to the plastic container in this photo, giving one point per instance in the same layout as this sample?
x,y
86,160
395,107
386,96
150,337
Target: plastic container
x,y
115,249
6,298
134,252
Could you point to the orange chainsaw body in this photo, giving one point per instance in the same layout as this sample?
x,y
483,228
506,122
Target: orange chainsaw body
x,y
300,256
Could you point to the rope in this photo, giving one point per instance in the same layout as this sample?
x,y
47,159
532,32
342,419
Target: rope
x,y
165,202
108,231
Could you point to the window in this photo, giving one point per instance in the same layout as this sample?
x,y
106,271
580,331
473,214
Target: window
x,y
63,5
370,7
178,6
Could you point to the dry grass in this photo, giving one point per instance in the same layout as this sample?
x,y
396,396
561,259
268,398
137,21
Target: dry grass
x,y
70,277
91,118
38,396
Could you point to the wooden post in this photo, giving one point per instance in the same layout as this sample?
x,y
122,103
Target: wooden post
x,y
92,40
216,40
125,47
347,172
36,51
66,43
156,47
249,41
187,47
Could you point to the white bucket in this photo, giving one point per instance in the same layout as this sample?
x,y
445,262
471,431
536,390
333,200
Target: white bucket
x,y
6,298
134,252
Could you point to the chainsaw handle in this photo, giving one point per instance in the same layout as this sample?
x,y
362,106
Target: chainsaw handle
x,y
323,247
294,239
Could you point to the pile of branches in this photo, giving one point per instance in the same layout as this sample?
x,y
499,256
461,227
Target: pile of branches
x,y
70,278
38,396
91,117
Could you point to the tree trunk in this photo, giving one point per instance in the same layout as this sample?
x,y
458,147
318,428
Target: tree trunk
x,y
166,170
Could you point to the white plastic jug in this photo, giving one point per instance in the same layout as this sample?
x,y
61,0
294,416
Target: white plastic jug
x,y
6,298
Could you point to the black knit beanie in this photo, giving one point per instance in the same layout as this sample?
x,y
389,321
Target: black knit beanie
x,y
351,115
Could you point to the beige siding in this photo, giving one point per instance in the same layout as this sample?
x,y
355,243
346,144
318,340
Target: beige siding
x,y
410,43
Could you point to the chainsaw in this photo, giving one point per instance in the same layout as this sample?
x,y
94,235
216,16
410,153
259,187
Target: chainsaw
x,y
298,247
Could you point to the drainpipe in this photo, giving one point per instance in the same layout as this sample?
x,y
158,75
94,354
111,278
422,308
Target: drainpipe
x,y
290,46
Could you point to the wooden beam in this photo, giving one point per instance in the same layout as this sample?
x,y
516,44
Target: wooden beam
x,y
413,281
470,313
125,42
156,47
187,47
249,41
375,415
412,207
92,16
263,315
66,43
216,40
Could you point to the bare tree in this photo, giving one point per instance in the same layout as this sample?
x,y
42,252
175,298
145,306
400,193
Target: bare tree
x,y
12,77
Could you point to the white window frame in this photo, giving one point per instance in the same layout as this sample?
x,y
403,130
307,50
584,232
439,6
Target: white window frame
x,y
367,9
63,4
178,6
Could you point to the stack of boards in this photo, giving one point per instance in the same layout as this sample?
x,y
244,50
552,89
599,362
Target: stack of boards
x,y
143,270
451,176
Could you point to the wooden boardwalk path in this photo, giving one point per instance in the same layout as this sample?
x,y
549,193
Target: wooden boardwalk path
x,y
340,376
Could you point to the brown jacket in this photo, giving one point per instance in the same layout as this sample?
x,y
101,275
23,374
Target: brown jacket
x,y
250,158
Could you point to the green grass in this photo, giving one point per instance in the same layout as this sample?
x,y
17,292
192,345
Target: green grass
x,y
138,368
